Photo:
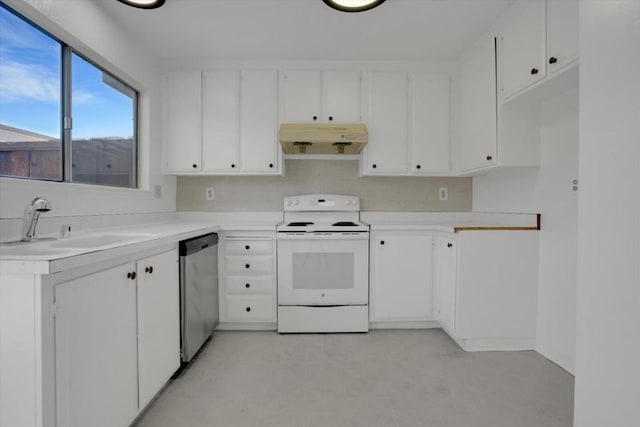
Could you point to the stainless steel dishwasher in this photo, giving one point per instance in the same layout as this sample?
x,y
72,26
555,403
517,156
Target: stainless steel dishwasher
x,y
198,292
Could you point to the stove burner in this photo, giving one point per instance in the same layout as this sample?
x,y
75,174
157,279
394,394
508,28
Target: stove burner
x,y
299,224
344,224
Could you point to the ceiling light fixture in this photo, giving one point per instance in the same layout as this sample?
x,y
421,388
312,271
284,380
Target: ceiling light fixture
x,y
353,5
143,4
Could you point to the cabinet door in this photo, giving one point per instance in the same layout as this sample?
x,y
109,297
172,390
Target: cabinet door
x,y
302,96
477,119
523,47
183,121
158,322
562,33
258,121
429,124
341,97
387,121
221,120
444,282
401,281
96,350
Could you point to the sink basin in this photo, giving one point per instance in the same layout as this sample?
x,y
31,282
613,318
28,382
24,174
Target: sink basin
x,y
29,242
98,240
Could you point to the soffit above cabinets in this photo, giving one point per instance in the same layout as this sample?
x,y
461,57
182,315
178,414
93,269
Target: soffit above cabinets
x,y
412,30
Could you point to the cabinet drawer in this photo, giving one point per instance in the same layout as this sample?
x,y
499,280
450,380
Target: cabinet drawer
x,y
249,246
244,285
250,308
249,264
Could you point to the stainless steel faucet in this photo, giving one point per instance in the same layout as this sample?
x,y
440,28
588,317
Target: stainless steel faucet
x,y
31,215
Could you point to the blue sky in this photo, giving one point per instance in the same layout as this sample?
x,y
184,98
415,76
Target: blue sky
x,y
30,74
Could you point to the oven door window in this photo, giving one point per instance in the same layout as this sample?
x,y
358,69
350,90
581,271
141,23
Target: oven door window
x,y
321,270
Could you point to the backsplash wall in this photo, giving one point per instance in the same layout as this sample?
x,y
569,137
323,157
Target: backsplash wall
x,y
265,193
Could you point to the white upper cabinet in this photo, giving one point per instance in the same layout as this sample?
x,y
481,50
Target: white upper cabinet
x,y
259,146
183,131
302,96
476,145
523,47
562,33
386,116
221,124
430,124
321,96
341,97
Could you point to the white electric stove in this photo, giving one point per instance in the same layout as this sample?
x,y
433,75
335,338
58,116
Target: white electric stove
x,y
323,265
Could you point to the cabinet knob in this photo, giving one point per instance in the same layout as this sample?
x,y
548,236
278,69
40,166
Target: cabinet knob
x,y
148,269
382,242
247,266
330,118
315,118
553,60
247,247
248,309
534,71
449,245
108,165
489,157
194,166
131,275
270,165
417,166
233,165
374,166
247,285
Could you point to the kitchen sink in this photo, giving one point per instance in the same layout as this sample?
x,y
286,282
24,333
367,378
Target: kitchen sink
x,y
98,240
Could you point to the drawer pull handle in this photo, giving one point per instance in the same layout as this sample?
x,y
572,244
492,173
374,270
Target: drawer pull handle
x,y
247,266
248,309
247,247
247,285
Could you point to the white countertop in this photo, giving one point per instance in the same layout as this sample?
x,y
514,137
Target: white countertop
x,y
65,253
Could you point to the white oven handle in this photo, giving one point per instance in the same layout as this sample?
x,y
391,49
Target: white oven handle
x,y
323,236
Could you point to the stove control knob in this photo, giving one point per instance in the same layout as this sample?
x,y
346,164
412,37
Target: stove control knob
x,y
296,202
289,202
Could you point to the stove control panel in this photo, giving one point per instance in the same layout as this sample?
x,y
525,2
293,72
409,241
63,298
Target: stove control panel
x,y
322,202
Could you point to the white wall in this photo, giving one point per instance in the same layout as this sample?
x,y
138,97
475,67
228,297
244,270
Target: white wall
x,y
607,389
547,190
85,26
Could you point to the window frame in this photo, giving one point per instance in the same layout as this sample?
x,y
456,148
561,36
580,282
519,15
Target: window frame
x,y
66,119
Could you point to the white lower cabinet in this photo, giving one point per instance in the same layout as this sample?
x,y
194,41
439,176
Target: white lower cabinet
x,y
158,322
117,340
486,288
247,280
400,276
95,349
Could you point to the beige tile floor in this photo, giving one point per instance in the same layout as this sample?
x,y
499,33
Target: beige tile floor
x,y
417,378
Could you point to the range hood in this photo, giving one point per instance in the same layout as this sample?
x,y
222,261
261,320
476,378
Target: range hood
x,y
314,138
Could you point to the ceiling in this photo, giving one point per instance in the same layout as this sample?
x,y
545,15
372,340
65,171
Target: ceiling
x,y
308,29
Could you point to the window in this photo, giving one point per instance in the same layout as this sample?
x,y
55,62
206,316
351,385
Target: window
x,y
62,118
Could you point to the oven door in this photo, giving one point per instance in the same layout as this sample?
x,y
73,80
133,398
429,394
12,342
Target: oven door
x,y
322,269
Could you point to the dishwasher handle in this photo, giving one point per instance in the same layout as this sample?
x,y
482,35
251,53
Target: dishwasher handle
x,y
197,244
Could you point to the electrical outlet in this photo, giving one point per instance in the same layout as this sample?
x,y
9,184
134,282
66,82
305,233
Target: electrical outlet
x,y
157,191
210,194
443,194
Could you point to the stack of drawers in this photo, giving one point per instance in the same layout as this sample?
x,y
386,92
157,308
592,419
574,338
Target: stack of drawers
x,y
248,277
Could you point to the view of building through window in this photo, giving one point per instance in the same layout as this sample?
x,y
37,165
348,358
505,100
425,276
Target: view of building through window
x,y
101,145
